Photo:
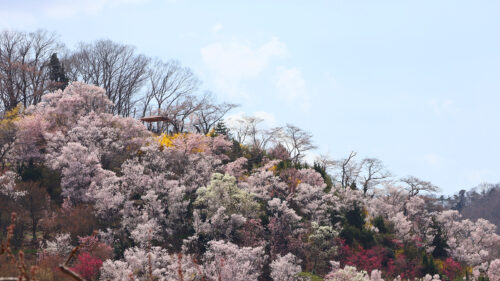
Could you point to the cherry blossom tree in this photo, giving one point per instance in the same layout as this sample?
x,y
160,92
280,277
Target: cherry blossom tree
x,y
237,167
226,261
151,264
284,227
469,242
80,169
112,138
265,185
286,268
29,141
348,273
8,185
63,109
494,270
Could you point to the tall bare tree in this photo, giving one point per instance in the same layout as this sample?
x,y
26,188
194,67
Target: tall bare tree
x,y
24,66
209,114
415,185
348,170
248,130
296,141
372,173
179,115
244,128
115,67
167,83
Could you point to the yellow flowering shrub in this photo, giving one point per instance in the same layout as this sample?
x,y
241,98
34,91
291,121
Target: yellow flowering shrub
x,y
10,117
167,140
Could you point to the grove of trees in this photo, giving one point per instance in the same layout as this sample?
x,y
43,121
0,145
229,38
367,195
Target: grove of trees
x,y
97,195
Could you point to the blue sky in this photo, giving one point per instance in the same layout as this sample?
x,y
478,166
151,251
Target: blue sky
x,y
413,83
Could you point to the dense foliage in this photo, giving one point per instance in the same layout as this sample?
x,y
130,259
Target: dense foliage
x,y
188,206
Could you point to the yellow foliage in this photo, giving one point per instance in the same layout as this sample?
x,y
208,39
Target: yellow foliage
x,y
273,168
368,225
468,269
365,212
11,116
211,133
167,140
439,263
398,252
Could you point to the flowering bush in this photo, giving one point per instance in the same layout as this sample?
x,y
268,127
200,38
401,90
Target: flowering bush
x,y
190,206
87,266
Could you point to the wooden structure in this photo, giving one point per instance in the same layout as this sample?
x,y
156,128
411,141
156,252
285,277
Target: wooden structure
x,y
154,118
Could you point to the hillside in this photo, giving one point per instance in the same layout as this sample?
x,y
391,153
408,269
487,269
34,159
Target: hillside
x,y
475,204
226,205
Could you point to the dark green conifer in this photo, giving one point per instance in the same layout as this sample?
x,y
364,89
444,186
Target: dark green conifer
x,y
57,74
221,129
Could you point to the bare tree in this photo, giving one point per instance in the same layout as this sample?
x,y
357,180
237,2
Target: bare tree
x,y
247,130
24,66
372,172
244,128
296,141
115,67
209,114
415,186
324,160
179,114
167,83
349,170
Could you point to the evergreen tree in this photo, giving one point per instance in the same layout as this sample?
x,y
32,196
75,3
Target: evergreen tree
x,y
221,129
428,265
57,74
322,170
439,241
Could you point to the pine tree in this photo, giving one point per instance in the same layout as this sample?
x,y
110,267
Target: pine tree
x,y
57,74
221,129
428,265
439,242
322,170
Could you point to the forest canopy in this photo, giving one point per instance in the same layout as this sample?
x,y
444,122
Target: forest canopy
x,y
194,198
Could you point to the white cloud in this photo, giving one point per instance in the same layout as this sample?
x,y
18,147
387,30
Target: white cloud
x,y
232,63
216,27
292,87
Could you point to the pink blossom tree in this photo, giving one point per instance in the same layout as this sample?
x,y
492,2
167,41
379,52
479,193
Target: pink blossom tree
x,y
286,268
226,261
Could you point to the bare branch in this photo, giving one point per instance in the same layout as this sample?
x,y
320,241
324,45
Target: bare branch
x,y
112,66
415,185
373,173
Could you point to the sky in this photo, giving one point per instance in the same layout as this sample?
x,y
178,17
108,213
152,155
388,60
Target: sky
x,y
413,83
